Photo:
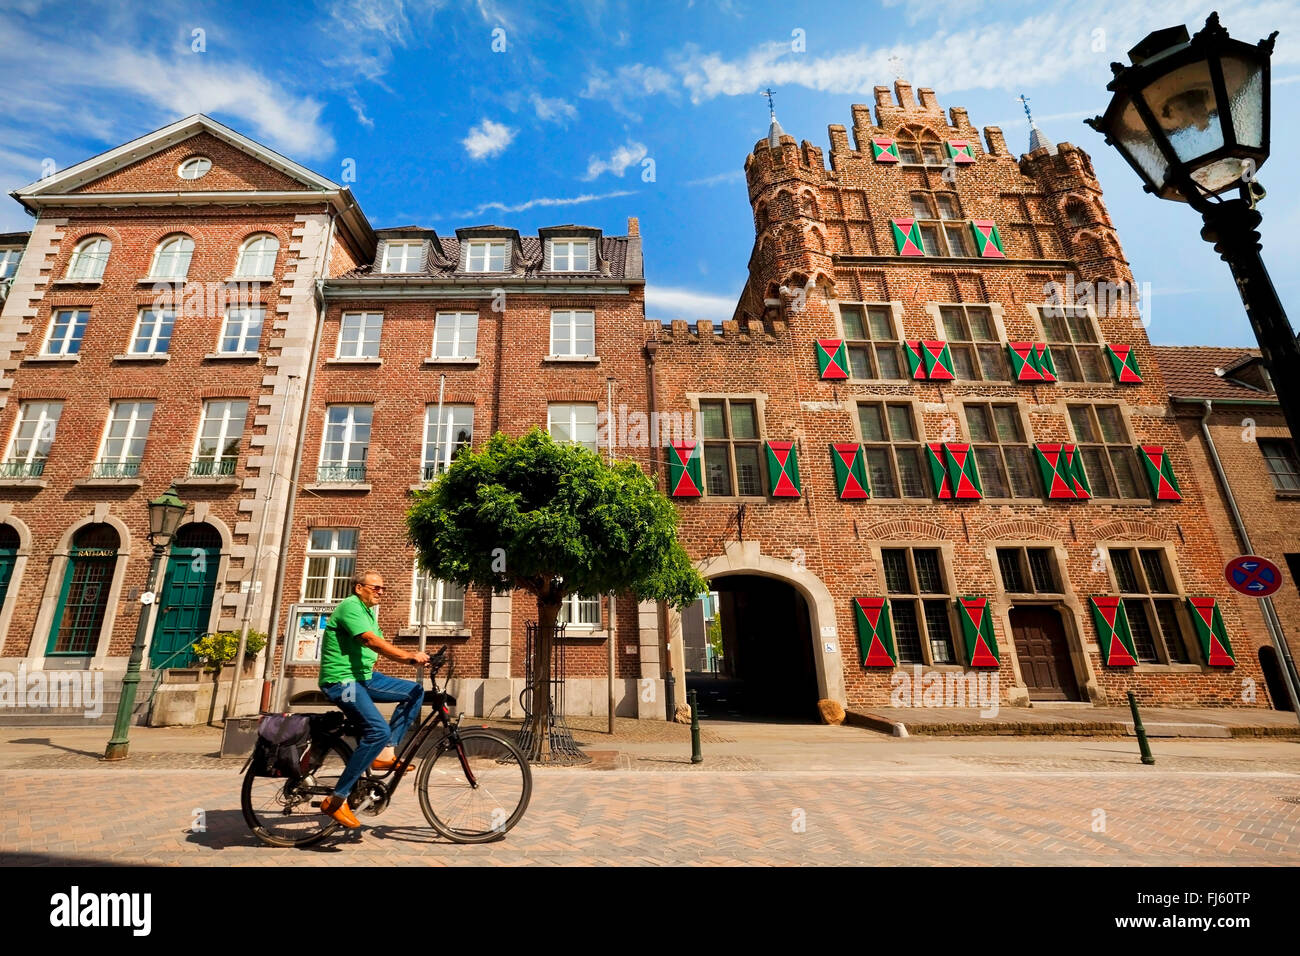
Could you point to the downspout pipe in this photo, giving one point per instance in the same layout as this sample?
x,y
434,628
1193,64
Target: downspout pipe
x,y
1266,604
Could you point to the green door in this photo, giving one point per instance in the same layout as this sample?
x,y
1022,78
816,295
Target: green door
x,y
185,605
7,558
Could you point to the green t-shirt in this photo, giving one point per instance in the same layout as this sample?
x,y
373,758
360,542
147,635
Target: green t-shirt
x,y
343,657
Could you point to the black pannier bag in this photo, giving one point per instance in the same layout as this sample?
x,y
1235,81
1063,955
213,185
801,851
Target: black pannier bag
x,y
283,745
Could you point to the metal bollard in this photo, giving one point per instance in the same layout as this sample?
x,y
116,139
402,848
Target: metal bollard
x,y
696,756
1140,731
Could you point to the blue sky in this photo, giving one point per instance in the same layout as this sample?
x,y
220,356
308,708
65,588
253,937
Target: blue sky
x,y
445,127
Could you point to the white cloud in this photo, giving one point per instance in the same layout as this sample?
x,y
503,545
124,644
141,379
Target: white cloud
x,y
545,201
618,162
632,81
487,139
552,110
733,176
664,303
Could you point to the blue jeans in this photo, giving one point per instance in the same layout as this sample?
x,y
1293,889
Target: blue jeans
x,y
357,699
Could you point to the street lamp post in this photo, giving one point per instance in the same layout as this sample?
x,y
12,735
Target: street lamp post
x,y
1191,116
165,514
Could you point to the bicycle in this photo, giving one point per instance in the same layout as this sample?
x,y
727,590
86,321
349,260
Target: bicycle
x,y
476,795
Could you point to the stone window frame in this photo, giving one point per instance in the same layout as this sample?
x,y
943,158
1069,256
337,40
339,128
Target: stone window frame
x,y
944,225
918,424
759,400
896,323
1144,492
1169,564
999,340
947,562
1059,349
1026,430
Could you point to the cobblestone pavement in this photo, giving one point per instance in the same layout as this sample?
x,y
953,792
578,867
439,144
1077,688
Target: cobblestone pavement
x,y
888,817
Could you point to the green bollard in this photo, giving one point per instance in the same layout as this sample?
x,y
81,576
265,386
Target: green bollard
x,y
696,756
1140,731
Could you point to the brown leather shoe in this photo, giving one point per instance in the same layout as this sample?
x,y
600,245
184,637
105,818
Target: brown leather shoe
x,y
338,808
383,766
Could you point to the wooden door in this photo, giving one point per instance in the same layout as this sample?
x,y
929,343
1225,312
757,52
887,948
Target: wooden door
x,y
185,605
1043,653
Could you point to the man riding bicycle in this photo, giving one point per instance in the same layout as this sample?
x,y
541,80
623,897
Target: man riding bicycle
x,y
352,643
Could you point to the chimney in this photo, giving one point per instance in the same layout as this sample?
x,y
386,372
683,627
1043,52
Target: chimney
x,y
633,226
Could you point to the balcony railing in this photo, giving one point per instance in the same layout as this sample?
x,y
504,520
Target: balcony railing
x,y
340,473
212,469
430,472
22,469
115,469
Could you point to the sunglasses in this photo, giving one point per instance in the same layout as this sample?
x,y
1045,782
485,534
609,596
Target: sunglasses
x,y
375,587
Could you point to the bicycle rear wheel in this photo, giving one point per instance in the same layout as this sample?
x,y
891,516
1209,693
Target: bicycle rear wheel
x,y
286,812
476,791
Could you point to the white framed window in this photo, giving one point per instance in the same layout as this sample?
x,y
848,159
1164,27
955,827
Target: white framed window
x,y
32,438
571,255
216,448
578,611
124,440
455,335
257,257
331,562
347,443
359,335
66,329
402,256
573,333
171,260
153,332
574,424
89,259
442,439
196,167
443,602
242,331
486,255
9,259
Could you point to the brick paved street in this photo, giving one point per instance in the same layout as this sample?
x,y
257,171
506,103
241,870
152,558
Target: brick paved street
x,y
979,811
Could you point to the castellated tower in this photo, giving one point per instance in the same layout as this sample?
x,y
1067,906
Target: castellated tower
x,y
926,441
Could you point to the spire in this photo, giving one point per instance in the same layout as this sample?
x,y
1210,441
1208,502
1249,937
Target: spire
x,y
774,132
1037,138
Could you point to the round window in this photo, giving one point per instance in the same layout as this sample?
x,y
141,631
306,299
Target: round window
x,y
196,167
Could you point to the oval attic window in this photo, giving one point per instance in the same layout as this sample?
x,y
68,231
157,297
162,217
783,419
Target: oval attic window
x,y
196,167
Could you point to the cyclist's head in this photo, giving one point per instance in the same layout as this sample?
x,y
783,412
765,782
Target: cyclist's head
x,y
369,586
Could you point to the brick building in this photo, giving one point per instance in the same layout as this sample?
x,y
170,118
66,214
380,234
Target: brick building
x,y
1238,441
934,435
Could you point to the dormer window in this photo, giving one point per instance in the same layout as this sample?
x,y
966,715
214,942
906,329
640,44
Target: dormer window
x,y
570,255
402,256
487,255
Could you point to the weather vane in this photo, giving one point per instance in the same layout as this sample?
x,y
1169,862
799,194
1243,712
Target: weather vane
x,y
768,93
1024,101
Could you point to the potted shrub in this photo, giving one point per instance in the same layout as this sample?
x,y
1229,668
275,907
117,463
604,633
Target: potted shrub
x,y
216,650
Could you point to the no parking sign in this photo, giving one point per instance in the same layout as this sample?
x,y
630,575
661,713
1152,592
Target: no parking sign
x,y
1253,576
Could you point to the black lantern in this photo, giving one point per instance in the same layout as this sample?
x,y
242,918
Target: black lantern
x,y
1190,115
165,514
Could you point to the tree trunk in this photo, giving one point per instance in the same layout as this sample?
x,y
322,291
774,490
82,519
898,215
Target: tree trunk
x,y
548,609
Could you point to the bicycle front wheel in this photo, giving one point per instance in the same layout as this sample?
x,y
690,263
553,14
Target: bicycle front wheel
x,y
475,789
286,812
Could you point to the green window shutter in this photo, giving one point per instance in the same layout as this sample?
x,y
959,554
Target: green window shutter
x,y
907,237
1024,361
960,152
884,151
915,365
1046,367
850,472
1160,473
938,361
1124,363
1054,469
684,469
962,470
875,634
783,469
977,631
832,359
1215,647
988,242
1078,478
938,470
1113,633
